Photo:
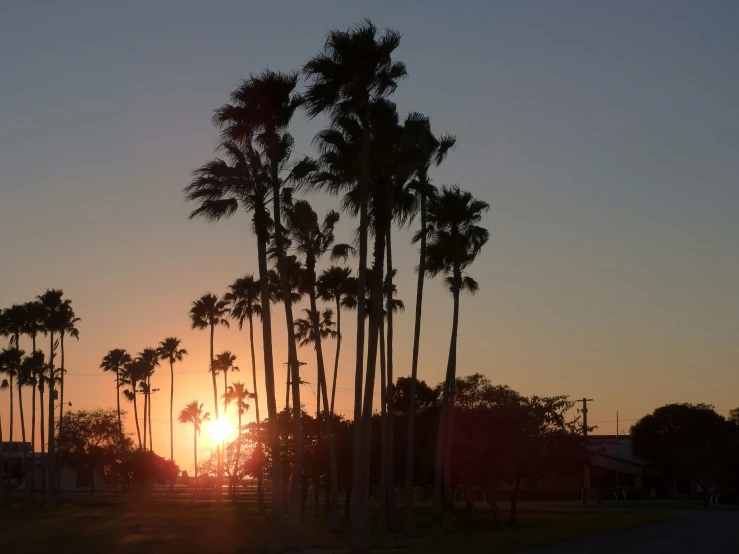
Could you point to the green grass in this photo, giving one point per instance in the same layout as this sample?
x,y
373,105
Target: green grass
x,y
166,526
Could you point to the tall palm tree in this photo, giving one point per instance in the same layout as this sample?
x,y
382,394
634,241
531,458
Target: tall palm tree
x,y
68,326
134,372
455,241
32,326
305,335
150,358
430,150
220,187
331,286
14,319
169,350
33,367
53,321
312,239
208,312
244,298
260,113
115,361
224,363
355,68
25,379
238,393
193,413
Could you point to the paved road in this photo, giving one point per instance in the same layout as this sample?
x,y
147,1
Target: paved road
x,y
686,532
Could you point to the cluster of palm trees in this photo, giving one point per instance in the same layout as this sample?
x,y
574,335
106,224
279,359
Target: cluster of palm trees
x,y
51,315
379,165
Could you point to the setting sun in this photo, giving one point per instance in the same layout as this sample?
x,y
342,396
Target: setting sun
x,y
219,430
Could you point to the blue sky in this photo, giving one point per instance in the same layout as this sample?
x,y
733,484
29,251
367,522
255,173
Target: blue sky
x,y
603,135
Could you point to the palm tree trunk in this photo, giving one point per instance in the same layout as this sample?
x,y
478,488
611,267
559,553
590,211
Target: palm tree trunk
x,y
269,381
2,463
23,431
444,436
52,461
171,404
219,460
375,325
136,415
410,526
392,508
260,475
10,393
151,431
146,411
42,430
360,535
32,480
118,399
338,350
195,450
333,507
61,414
382,520
238,456
292,358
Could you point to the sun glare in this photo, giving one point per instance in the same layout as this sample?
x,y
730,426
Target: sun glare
x,y
219,430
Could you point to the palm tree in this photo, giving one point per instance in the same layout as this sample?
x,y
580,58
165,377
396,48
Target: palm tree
x,y
207,312
238,393
193,413
25,378
150,359
261,112
32,368
224,363
305,335
67,326
133,373
331,286
430,151
244,299
14,319
115,361
455,240
221,187
32,326
169,350
353,70
53,321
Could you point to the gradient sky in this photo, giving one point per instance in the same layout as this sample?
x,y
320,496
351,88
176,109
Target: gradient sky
x,y
604,135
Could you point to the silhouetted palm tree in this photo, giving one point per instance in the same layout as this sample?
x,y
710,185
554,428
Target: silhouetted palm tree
x,y
150,357
221,187
193,413
354,69
430,150
67,326
238,393
169,350
14,319
207,312
133,373
331,286
115,361
455,241
244,299
224,363
260,113
33,367
54,319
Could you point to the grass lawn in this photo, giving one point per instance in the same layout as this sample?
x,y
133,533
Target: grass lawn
x,y
165,526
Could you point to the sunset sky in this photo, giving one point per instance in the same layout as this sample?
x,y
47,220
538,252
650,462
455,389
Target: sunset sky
x,y
603,135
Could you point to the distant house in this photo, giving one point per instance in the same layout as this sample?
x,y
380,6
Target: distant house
x,y
614,465
71,478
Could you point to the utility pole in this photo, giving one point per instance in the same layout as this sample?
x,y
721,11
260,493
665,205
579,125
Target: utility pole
x,y
586,467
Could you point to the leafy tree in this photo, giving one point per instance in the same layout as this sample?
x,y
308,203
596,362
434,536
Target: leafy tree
x,y
681,440
169,350
91,440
